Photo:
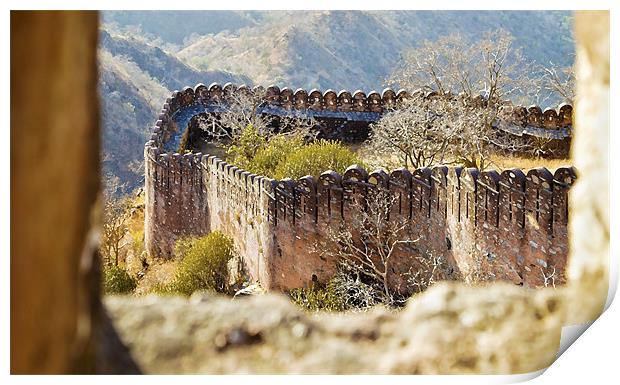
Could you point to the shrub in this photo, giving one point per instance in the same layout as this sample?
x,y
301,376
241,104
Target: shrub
x,y
356,289
138,241
117,280
315,158
349,289
318,297
204,265
278,149
242,152
282,156
261,155
162,289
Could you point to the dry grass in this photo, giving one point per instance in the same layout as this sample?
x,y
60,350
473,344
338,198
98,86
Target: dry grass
x,y
526,163
498,162
136,220
374,160
160,273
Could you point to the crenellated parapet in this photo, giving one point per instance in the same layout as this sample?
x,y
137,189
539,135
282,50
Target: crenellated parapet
x,y
486,194
507,226
516,221
357,101
288,98
347,115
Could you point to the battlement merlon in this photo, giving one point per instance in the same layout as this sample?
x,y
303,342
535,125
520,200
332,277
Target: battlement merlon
x,y
357,109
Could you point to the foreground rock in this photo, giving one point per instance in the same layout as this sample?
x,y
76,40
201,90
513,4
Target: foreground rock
x,y
493,329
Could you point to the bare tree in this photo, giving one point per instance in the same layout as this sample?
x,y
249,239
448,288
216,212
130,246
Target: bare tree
x,y
430,269
490,67
558,82
114,228
366,251
244,108
476,132
465,129
446,129
541,146
548,275
414,134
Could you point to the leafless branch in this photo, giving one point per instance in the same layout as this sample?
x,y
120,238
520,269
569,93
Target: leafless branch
x,y
548,277
369,246
447,129
244,108
557,81
114,228
491,67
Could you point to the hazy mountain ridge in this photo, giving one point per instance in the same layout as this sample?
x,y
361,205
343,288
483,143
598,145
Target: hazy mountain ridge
x,y
165,67
125,118
359,49
176,27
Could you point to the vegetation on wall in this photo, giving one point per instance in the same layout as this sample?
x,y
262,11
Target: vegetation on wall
x,y
204,264
315,158
288,155
366,252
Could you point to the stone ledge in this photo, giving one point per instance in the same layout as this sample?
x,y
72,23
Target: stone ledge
x,y
451,328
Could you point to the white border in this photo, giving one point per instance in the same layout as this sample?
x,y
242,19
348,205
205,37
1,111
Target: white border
x,y
594,357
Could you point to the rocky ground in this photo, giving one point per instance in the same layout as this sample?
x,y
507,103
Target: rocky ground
x,y
451,328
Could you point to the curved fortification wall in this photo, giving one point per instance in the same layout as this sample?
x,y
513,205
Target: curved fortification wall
x,y
511,225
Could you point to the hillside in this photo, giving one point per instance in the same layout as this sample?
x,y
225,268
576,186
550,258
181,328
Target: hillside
x,y
176,27
135,80
359,49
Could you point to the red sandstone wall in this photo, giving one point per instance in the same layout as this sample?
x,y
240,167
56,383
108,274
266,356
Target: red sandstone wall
x,y
552,123
490,226
509,226
193,194
176,200
512,225
175,195
237,204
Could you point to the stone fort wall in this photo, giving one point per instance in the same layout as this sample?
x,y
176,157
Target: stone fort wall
x,y
511,225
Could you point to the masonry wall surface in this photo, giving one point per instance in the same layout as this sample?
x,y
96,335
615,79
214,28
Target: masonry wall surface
x,y
510,226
